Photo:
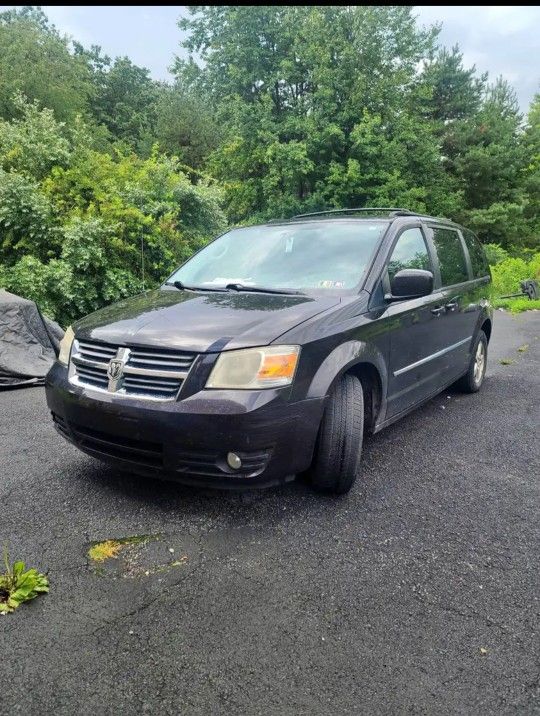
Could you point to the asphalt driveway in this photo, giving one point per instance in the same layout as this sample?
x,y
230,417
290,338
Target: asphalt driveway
x,y
417,593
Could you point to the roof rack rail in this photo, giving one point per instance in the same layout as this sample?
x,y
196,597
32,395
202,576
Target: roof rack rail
x,y
367,209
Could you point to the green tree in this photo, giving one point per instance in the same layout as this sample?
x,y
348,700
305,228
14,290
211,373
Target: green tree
x,y
531,174
484,153
186,126
455,92
36,60
125,100
298,90
488,157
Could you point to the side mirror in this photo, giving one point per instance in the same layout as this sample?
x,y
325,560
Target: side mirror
x,y
410,283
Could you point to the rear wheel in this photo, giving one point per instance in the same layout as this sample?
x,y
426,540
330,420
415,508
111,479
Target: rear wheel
x,y
472,381
339,445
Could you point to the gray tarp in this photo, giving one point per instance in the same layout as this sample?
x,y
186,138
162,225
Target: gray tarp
x,y
28,341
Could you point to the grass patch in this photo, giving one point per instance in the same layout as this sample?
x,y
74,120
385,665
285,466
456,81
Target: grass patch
x,y
130,557
506,361
110,548
19,585
101,551
516,305
523,348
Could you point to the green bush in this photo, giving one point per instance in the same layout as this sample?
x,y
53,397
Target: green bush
x,y
26,219
36,142
507,276
73,221
49,285
534,267
495,253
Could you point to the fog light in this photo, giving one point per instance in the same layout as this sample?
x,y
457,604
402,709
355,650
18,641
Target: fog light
x,y
233,460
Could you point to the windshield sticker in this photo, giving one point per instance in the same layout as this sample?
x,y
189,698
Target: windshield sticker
x,y
331,284
221,280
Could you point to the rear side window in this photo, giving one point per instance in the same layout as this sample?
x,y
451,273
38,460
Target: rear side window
x,y
479,261
410,252
451,257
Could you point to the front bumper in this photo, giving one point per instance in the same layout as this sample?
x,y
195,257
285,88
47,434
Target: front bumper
x,y
188,440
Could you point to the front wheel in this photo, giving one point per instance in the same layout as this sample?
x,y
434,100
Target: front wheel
x,y
339,446
472,381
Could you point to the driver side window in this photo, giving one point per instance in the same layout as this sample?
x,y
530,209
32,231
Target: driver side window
x,y
410,252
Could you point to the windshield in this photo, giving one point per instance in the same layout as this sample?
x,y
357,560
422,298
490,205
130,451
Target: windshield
x,y
312,255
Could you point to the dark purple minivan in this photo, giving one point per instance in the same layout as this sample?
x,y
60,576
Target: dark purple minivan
x,y
274,349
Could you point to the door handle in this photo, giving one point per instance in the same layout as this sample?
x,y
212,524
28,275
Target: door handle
x,y
438,310
452,305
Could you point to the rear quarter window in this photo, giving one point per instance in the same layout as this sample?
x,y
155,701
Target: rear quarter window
x,y
452,261
480,266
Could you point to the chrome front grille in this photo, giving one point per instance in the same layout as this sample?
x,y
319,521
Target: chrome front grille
x,y
155,374
96,351
154,360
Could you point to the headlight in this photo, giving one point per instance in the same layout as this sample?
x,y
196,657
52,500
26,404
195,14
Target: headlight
x,y
65,346
252,368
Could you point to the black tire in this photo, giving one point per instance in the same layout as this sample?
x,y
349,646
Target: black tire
x,y
472,381
339,445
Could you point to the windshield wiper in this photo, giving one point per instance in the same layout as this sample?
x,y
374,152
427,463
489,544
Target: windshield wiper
x,y
185,287
235,287
263,289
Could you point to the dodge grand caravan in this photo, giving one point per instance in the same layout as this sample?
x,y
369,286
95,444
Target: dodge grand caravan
x,y
274,349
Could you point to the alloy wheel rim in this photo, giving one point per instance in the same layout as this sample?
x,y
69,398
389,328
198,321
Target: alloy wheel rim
x,y
479,363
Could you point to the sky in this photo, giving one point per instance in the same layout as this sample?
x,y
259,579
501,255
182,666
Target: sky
x,y
503,40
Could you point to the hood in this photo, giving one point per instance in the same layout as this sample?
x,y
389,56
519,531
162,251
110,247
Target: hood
x,y
186,320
